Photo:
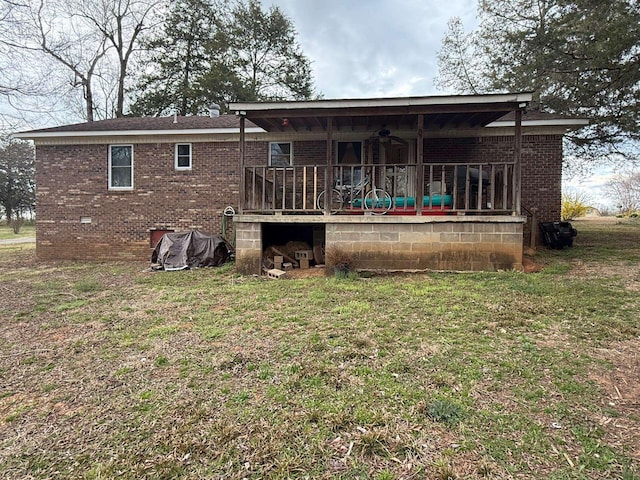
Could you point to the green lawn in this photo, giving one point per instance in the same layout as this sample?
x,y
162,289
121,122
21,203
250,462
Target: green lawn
x,y
114,371
26,230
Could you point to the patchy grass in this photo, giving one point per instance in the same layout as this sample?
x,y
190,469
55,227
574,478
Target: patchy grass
x,y
112,371
26,230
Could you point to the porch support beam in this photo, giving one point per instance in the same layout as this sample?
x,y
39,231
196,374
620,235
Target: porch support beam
x,y
517,159
377,111
328,178
419,165
242,163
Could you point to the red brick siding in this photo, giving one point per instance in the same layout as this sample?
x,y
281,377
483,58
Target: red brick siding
x,y
304,153
310,153
72,182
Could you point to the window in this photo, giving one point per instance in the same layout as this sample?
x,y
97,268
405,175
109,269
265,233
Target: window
x,y
183,156
121,167
280,154
349,154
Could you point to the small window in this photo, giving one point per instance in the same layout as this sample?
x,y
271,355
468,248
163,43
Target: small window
x,y
280,154
183,156
121,167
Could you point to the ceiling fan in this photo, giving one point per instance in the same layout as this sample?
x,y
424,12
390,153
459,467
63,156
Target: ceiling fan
x,y
386,139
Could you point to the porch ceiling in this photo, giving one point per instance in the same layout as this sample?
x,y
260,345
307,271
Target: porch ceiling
x,y
363,115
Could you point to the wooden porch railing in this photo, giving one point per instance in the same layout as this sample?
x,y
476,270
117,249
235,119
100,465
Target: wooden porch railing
x,y
474,188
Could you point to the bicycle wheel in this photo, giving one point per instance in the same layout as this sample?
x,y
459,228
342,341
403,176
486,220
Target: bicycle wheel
x,y
335,203
378,201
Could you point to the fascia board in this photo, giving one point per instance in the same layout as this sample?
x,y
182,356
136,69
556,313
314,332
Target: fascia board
x,y
384,102
133,133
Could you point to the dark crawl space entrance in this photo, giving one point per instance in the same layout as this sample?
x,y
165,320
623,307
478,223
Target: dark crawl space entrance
x,y
292,246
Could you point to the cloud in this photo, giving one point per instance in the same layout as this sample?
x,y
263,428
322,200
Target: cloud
x,y
594,185
374,48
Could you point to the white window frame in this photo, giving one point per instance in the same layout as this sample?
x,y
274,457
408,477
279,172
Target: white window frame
x,y
177,167
111,187
290,155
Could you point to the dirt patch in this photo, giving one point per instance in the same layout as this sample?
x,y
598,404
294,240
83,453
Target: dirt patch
x,y
311,272
530,266
621,385
630,274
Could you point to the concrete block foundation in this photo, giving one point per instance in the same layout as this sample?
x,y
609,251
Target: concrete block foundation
x,y
450,243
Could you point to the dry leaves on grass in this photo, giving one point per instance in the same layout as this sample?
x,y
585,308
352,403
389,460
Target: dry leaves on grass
x,y
621,385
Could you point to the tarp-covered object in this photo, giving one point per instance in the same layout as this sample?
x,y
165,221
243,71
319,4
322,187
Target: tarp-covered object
x,y
192,249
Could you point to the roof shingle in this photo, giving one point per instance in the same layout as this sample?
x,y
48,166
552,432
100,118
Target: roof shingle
x,y
150,124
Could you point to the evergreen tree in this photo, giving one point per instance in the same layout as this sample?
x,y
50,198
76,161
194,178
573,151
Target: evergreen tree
x,y
215,52
17,178
265,54
579,57
180,56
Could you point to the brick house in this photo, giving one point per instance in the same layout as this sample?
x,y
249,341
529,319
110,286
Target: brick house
x,y
442,182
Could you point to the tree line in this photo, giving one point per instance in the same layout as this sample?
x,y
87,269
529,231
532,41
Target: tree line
x,y
579,58
17,179
111,58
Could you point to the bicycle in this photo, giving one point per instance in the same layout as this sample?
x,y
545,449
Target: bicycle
x,y
376,201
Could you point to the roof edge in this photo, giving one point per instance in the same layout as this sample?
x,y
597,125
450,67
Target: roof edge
x,y
132,133
559,122
521,97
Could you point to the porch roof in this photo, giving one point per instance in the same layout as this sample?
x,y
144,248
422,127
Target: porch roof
x,y
440,112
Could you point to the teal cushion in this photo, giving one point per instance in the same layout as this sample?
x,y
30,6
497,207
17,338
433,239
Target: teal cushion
x,y
436,201
410,202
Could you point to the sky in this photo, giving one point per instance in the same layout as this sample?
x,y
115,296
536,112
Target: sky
x,y
374,48
593,184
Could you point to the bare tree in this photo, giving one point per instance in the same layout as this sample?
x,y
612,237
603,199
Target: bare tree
x,y
48,35
120,22
625,190
73,44
458,63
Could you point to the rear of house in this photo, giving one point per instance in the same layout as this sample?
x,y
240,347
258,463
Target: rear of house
x,y
414,183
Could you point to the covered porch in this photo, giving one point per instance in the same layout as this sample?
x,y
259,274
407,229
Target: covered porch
x,y
401,184
375,157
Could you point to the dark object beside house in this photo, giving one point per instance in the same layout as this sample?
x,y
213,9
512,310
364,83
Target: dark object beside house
x,y
558,234
190,249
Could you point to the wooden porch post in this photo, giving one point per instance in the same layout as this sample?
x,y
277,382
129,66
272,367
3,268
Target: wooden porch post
x,y
517,167
242,162
419,166
328,178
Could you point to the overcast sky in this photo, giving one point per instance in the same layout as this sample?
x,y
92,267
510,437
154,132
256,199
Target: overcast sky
x,y
374,48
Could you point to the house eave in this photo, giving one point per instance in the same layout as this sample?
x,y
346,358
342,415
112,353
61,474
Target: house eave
x,y
443,100
132,133
561,122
